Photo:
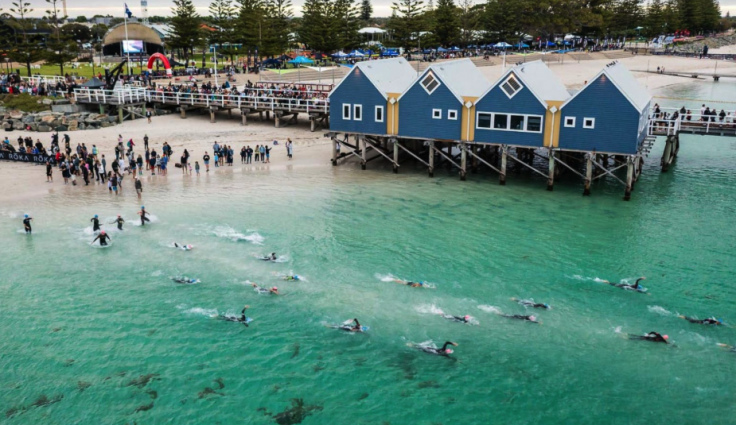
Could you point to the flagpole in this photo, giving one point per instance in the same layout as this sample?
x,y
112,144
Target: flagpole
x,y
125,20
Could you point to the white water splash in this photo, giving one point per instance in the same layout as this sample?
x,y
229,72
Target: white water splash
x,y
228,232
490,309
386,277
617,329
659,310
151,219
429,309
211,312
157,273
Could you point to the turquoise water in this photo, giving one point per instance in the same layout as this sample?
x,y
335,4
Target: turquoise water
x,y
95,335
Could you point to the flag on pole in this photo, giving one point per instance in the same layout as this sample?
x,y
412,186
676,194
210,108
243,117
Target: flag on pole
x,y
128,13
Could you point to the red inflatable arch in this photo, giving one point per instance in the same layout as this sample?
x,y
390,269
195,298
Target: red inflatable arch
x,y
163,59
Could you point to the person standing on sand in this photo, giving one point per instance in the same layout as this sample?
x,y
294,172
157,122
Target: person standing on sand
x,y
138,187
206,159
145,138
196,167
242,155
49,177
148,115
257,151
268,155
289,149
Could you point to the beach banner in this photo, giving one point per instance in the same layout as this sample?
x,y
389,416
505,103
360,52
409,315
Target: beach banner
x,y
25,157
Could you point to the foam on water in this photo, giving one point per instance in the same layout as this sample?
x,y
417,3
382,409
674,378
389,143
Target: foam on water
x,y
210,312
228,232
429,309
490,309
659,310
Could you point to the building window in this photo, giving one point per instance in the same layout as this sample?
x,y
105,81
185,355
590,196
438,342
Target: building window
x,y
346,111
570,122
500,121
509,122
452,114
430,83
511,86
589,123
437,114
534,124
358,112
379,113
483,121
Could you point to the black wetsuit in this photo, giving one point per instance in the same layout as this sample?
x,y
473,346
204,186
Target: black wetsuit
x,y
702,322
532,304
520,317
144,219
651,336
119,222
103,239
355,328
455,318
439,351
95,224
635,286
27,224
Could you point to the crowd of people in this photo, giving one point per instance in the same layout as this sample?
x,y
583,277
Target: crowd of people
x,y
11,83
706,115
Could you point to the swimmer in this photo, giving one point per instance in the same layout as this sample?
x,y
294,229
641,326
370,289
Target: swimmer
x,y
463,319
271,257
636,286
103,237
143,213
530,303
444,351
355,327
293,278
419,284
241,319
27,223
274,290
183,247
119,221
95,223
532,318
709,321
730,347
651,336
185,280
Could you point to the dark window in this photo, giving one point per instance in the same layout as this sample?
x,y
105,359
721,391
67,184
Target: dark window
x,y
484,121
517,122
500,121
534,124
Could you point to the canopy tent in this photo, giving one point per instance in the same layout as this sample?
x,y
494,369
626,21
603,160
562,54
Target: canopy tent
x,y
300,60
356,54
551,44
389,52
371,30
340,55
94,83
521,46
502,45
454,49
271,62
442,50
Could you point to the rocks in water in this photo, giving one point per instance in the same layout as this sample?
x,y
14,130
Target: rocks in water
x,y
43,400
144,407
82,385
143,380
294,415
48,101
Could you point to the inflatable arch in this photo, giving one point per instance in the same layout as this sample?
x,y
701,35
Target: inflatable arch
x,y
163,59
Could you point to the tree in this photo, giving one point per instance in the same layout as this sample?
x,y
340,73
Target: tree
x,y
446,22
316,29
655,19
278,14
346,23
81,19
469,21
98,31
406,22
222,14
61,52
185,28
250,24
78,32
366,11
27,51
504,19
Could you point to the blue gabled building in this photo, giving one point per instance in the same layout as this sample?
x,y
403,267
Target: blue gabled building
x,y
365,100
439,104
520,109
608,115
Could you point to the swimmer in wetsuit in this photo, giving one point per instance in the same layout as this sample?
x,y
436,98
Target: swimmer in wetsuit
x,y
185,280
242,319
119,221
95,223
293,278
27,223
651,336
444,351
183,247
409,283
709,321
143,213
274,290
271,257
529,303
356,327
636,286
103,237
463,319
532,319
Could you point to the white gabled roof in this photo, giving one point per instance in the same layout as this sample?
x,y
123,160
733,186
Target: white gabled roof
x,y
387,75
625,82
460,76
539,79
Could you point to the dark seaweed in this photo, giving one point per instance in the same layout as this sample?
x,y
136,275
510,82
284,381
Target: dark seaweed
x,y
220,383
81,385
207,392
143,380
295,349
43,400
295,415
144,407
153,394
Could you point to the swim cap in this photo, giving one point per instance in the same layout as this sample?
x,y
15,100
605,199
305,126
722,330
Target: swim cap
x,y
665,337
546,305
25,215
274,288
449,351
95,215
467,318
532,317
296,277
118,215
102,232
142,207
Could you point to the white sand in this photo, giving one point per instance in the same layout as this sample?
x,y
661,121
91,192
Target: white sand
x,y
197,134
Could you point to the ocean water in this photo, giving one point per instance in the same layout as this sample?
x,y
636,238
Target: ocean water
x,y
92,335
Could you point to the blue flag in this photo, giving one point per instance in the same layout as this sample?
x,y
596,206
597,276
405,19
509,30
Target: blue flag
x,y
128,12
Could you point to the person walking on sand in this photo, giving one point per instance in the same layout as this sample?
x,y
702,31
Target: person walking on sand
x,y
49,176
138,187
289,149
148,115
196,167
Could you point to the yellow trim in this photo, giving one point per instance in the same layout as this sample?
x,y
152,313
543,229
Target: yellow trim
x,y
392,114
552,123
467,131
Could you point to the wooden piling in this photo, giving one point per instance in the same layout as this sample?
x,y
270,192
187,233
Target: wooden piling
x,y
363,156
629,178
183,111
244,116
667,154
334,151
463,161
502,176
213,110
431,159
588,173
551,179
396,156
120,114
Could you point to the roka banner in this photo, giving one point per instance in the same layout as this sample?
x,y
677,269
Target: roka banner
x,y
26,157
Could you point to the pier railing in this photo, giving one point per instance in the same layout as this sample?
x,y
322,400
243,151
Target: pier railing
x,y
48,79
691,124
258,102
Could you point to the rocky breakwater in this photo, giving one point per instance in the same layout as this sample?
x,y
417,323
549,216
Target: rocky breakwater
x,y
54,121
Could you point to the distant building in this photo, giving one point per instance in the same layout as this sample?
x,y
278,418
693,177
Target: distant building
x,y
112,43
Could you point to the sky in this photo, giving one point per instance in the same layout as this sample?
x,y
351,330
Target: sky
x,y
89,8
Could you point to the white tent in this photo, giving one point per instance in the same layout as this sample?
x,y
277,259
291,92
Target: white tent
x,y
502,45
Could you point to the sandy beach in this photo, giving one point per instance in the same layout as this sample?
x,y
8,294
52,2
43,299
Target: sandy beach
x,y
197,134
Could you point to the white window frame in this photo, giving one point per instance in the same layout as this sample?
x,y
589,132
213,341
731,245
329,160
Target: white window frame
x,y
350,108
437,80
572,125
449,114
436,114
357,107
508,122
585,124
511,77
383,113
